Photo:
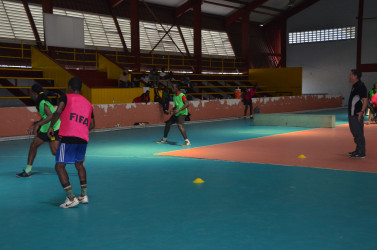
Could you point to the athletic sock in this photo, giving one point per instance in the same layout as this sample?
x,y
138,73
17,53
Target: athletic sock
x,y
28,168
70,193
186,139
83,187
83,190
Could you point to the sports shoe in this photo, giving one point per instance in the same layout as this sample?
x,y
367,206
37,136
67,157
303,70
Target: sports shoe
x,y
68,203
187,143
83,199
358,156
351,153
23,174
162,141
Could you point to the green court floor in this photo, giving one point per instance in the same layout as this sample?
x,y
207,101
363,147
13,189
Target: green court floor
x,y
139,200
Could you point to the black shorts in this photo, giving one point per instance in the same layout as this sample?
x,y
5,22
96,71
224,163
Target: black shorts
x,y
44,136
247,102
177,119
372,109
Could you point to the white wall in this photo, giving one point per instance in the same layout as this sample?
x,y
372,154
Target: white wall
x,y
326,65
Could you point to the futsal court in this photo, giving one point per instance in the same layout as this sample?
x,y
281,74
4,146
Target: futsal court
x,y
257,193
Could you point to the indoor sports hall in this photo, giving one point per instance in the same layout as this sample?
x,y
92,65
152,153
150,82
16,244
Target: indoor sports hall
x,y
268,104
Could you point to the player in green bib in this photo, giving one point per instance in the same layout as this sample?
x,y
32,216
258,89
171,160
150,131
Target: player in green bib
x,y
180,113
41,127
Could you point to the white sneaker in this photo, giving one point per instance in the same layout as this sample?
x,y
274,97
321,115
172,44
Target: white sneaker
x,y
68,203
162,141
187,143
83,199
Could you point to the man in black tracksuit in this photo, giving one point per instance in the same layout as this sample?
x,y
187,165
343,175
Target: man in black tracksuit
x,y
357,105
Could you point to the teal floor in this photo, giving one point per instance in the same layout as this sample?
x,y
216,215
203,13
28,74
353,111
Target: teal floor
x,y
139,200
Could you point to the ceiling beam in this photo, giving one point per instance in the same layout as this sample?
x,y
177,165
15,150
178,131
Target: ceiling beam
x,y
179,11
187,6
264,13
236,1
222,5
114,3
270,8
292,11
239,13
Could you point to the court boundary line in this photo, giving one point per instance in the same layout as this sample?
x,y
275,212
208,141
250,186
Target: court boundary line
x,y
24,137
248,139
270,164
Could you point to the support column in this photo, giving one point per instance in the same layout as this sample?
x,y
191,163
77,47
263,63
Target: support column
x,y
359,34
135,34
197,11
47,6
246,39
283,49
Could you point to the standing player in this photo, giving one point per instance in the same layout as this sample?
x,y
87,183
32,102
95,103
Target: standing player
x,y
76,114
357,104
248,102
179,115
40,128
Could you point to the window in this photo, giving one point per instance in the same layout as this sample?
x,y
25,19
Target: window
x,y
322,35
14,21
100,30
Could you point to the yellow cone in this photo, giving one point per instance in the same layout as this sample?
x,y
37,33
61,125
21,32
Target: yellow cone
x,y
301,156
198,180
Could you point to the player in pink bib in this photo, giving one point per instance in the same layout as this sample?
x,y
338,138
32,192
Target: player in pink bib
x,y
76,115
372,107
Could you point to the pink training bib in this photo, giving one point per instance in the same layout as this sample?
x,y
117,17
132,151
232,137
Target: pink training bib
x,y
76,117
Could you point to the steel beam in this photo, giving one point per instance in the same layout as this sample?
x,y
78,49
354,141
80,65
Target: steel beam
x,y
283,48
222,5
270,8
114,3
183,40
183,9
162,26
32,24
118,28
250,7
162,38
47,6
198,36
362,67
368,68
286,14
135,33
359,33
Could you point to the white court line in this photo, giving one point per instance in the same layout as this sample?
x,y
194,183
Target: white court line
x,y
23,137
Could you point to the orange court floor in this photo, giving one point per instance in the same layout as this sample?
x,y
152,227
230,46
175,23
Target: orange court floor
x,y
318,148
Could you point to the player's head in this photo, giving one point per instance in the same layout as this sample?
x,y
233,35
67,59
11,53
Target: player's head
x,y
174,88
75,84
36,89
354,76
37,94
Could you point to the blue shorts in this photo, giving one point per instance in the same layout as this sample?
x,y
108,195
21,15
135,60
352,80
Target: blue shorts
x,y
70,153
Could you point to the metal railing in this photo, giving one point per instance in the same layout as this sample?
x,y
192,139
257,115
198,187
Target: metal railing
x,y
90,55
28,92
